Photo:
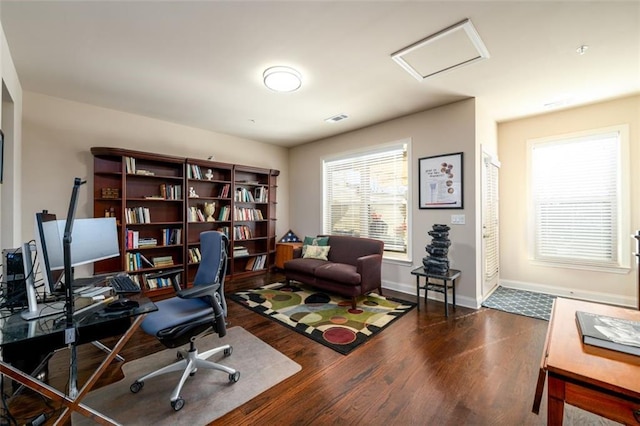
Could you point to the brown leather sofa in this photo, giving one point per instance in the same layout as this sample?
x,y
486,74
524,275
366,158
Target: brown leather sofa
x,y
353,268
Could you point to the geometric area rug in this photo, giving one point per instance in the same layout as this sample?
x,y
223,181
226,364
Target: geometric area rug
x,y
521,302
323,317
208,394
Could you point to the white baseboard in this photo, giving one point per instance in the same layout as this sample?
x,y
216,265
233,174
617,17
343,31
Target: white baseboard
x,y
598,297
410,289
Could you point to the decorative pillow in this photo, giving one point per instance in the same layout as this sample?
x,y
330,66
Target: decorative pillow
x,y
314,241
316,252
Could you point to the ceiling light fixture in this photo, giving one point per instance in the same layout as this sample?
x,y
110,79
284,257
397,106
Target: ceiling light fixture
x,y
282,79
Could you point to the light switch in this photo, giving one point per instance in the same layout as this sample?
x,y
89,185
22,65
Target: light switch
x,y
457,219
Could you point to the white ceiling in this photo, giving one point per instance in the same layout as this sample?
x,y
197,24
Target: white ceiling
x,y
200,63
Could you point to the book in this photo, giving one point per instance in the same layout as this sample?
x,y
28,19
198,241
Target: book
x,y
617,334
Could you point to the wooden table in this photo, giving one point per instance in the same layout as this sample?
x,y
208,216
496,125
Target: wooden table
x,y
441,287
284,252
599,380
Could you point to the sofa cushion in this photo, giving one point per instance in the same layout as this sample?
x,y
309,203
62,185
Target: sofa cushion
x,y
339,272
314,241
316,252
305,266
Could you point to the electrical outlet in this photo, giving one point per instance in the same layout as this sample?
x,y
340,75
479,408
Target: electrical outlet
x,y
69,335
457,219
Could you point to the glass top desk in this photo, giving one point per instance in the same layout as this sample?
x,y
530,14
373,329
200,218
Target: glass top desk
x,y
44,335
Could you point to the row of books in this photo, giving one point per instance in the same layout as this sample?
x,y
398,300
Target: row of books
x,y
224,214
155,283
137,261
171,192
259,195
143,281
242,232
170,236
224,191
196,215
243,213
256,263
137,215
130,165
194,255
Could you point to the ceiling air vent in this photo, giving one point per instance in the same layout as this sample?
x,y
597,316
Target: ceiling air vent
x,y
336,118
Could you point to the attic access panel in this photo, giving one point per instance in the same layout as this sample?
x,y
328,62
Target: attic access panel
x,y
451,48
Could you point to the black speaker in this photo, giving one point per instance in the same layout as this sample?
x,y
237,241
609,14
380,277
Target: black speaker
x,y
13,286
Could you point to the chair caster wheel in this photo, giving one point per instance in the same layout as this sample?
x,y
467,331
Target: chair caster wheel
x,y
177,404
234,377
136,386
229,351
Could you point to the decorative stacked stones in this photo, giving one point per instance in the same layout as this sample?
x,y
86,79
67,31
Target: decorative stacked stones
x,y
437,262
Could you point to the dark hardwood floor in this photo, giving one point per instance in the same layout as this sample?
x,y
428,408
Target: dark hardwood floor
x,y
477,367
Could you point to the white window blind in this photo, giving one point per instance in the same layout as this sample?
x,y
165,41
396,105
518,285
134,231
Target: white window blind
x,y
365,194
490,224
576,188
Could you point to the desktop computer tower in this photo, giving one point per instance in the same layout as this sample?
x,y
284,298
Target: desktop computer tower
x,y
14,289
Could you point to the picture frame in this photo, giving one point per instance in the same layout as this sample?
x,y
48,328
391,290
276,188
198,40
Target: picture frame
x,y
441,181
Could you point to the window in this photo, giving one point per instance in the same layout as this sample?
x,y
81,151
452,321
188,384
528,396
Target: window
x,y
579,188
366,195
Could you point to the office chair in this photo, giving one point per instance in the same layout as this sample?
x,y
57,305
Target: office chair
x,y
193,313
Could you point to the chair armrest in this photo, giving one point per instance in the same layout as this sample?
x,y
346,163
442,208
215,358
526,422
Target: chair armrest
x,y
198,291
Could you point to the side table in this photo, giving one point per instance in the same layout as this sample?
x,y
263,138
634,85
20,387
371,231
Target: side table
x,y
448,281
284,252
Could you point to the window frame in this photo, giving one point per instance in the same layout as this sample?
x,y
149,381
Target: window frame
x,y
623,219
368,150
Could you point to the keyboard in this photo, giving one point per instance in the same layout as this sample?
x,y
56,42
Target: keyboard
x,y
123,284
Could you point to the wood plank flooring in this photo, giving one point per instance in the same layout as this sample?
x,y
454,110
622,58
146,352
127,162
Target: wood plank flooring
x,y
478,367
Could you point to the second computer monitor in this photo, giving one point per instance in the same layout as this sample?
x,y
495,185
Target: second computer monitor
x,y
92,240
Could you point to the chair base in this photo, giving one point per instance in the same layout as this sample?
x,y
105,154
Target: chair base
x,y
190,363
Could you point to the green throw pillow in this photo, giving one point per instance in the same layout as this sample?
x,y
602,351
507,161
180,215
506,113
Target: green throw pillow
x,y
316,252
313,241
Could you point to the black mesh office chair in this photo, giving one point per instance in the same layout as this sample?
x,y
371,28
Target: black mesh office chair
x,y
193,313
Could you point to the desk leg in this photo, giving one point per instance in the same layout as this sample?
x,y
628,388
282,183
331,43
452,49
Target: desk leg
x,y
95,416
555,405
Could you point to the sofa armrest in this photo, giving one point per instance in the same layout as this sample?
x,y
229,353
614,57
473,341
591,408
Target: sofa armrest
x,y
370,269
297,252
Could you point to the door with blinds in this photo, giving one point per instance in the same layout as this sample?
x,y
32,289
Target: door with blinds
x,y
490,224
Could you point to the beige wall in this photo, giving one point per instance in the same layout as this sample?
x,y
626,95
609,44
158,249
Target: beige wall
x,y
10,121
58,135
438,131
516,269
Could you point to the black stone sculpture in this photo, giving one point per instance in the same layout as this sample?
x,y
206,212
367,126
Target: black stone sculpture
x,y
436,261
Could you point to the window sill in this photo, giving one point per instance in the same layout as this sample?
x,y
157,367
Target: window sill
x,y
605,269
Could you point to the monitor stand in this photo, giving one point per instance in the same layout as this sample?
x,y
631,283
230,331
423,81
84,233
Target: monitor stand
x,y
40,310
36,310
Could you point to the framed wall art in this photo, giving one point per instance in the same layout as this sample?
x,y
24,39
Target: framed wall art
x,y
440,181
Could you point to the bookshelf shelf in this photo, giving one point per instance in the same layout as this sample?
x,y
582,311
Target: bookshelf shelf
x,y
167,193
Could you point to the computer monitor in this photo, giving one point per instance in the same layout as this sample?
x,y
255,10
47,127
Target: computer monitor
x,y
92,240
43,234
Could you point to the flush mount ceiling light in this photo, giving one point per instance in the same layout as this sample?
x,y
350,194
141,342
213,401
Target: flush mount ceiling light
x,y
282,79
448,49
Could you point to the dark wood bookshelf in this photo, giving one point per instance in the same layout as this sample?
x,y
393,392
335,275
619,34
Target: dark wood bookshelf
x,y
134,181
